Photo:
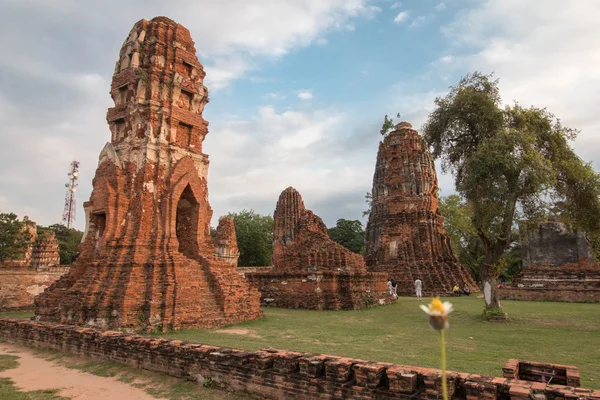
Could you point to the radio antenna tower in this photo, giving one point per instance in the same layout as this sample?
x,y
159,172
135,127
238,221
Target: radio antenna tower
x,y
68,218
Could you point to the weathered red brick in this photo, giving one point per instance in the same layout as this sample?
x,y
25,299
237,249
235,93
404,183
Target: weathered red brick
x,y
405,234
147,259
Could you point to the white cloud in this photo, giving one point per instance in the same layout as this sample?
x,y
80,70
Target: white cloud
x,y
254,159
274,96
305,95
440,7
443,61
395,5
401,17
542,57
260,28
422,20
321,41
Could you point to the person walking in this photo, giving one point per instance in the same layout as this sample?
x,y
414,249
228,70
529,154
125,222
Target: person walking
x,y
390,290
394,289
418,288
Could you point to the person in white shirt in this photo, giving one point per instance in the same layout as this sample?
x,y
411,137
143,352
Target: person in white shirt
x,y
418,287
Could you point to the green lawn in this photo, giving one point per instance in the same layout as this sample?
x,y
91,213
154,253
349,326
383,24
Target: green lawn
x,y
562,333
17,314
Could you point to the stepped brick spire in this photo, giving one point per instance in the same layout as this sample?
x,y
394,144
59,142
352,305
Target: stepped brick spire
x,y
45,251
405,232
147,258
309,269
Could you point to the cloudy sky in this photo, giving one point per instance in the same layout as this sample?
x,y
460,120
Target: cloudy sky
x,y
298,88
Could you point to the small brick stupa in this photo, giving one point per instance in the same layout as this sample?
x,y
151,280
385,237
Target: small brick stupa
x,y
45,251
405,233
147,259
312,271
225,241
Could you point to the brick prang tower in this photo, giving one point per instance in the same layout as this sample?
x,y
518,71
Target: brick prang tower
x,y
405,233
147,258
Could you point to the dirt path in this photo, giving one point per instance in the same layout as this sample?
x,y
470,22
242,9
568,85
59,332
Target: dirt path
x,y
35,373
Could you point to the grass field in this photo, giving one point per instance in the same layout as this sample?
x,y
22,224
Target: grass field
x,y
563,333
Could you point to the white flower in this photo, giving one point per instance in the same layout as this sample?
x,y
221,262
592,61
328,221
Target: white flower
x,y
438,313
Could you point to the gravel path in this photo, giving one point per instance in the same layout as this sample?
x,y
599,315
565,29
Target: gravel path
x,y
35,373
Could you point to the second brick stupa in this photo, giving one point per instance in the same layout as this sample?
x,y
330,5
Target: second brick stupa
x,y
405,234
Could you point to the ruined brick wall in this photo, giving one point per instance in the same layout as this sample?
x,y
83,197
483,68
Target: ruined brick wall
x,y
20,286
225,241
309,269
405,233
571,283
558,265
320,290
553,245
278,374
147,258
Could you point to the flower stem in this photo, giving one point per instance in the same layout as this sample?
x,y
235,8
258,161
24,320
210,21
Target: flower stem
x,y
444,386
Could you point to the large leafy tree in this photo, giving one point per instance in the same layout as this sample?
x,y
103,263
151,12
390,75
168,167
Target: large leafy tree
x,y
68,242
463,235
14,237
349,234
509,163
466,243
254,237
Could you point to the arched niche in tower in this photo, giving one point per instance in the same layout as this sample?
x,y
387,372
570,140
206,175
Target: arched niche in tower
x,y
186,223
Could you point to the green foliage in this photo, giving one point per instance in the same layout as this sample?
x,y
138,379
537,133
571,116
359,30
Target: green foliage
x,y
388,124
466,243
14,238
463,235
509,163
490,313
68,242
254,237
349,234
369,201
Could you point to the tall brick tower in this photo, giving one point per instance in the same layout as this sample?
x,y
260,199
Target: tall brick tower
x,y
405,234
147,258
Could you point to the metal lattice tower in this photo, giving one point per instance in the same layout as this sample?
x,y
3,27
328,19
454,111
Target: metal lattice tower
x,y
68,218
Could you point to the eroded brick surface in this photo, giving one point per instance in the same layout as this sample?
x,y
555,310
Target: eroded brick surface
x,y
45,251
405,233
225,241
309,269
147,258
278,374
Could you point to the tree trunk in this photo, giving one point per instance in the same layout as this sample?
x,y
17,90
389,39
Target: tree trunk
x,y
488,275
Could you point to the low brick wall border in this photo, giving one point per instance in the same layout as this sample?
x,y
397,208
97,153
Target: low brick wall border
x,y
276,374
